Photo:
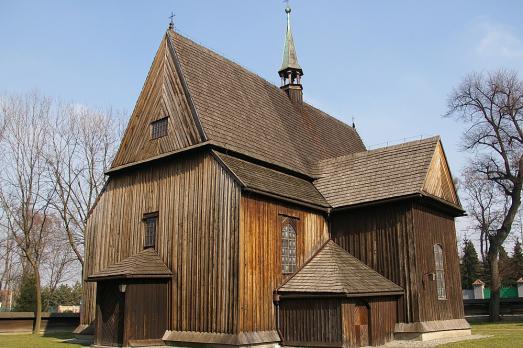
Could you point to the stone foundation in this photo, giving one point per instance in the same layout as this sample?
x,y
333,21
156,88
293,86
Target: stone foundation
x,y
432,330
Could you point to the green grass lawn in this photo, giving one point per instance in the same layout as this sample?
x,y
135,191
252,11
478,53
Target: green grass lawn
x,y
503,335
51,340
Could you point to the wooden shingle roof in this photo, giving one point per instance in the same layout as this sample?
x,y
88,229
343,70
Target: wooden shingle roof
x,y
145,264
242,112
265,180
334,271
379,174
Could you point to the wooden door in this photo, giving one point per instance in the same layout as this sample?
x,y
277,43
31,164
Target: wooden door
x,y
147,310
109,314
361,324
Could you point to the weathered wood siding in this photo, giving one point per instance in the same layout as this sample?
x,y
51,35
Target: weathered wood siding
x,y
381,237
146,319
337,322
197,237
438,181
381,321
162,96
311,322
432,227
109,314
260,255
397,240
383,316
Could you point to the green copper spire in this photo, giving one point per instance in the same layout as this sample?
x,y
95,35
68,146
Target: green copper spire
x,y
290,59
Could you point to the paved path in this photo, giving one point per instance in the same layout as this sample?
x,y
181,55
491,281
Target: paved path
x,y
432,343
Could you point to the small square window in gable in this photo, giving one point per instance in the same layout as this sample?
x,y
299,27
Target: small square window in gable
x,y
159,128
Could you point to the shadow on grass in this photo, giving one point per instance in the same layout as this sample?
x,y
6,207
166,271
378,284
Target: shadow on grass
x,y
66,337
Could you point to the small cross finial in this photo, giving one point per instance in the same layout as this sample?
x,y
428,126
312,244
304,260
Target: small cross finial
x,y
171,23
353,123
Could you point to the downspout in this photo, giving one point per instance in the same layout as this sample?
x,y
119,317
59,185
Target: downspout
x,y
276,300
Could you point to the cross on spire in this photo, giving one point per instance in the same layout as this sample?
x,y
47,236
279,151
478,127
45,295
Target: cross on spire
x,y
171,23
290,63
290,71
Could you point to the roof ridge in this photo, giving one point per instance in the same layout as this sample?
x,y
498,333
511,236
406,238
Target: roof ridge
x,y
214,53
380,149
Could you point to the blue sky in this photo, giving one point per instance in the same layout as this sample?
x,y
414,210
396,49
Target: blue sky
x,y
389,64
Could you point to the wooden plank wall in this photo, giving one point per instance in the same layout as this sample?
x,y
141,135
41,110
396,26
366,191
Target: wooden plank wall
x,y
433,227
260,255
382,319
198,205
110,314
162,96
311,322
396,240
146,319
380,237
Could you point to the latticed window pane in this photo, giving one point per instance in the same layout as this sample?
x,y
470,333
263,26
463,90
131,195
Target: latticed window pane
x,y
440,272
288,245
159,128
150,231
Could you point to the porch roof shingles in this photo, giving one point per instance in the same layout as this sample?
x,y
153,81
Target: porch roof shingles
x,y
145,264
267,180
375,175
334,271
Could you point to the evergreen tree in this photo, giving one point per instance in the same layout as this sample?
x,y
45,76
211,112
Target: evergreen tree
x,y
470,265
64,295
517,261
485,272
505,268
25,301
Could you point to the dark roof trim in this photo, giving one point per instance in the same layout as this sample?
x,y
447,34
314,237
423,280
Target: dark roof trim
x,y
378,202
156,158
214,145
285,295
443,204
249,157
185,87
455,210
288,200
128,276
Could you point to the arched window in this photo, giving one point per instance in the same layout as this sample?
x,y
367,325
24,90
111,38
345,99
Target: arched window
x,y
440,272
288,245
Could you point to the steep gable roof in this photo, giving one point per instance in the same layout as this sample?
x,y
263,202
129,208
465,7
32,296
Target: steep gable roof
x,y
244,113
268,181
163,95
385,173
145,264
334,271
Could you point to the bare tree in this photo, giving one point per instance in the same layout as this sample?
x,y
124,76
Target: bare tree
x,y
8,268
83,144
491,105
25,194
485,205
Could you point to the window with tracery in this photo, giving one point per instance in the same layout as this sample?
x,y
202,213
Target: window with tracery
x,y
288,245
440,272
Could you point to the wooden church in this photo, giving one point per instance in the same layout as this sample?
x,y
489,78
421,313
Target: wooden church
x,y
236,214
